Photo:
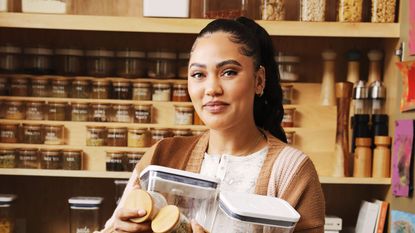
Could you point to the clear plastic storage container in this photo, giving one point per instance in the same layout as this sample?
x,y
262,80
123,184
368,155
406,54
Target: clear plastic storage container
x,y
85,214
193,193
244,212
7,218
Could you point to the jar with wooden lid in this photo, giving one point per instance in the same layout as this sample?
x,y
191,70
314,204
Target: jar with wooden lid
x,y
56,111
8,158
151,202
182,65
131,63
40,87
115,160
100,113
10,59
35,110
363,158
54,134
350,10
38,60
72,159
182,133
117,136
19,86
4,86
50,159
180,93
142,113
14,110
100,89
161,92
9,133
121,113
32,134
159,134
80,88
28,158
133,157
183,115
96,135
161,65
79,112
121,90
142,91
290,137
69,61
382,157
139,137
169,220
289,117
60,88
100,62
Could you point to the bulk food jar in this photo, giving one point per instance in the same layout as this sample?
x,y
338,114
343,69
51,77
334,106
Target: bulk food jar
x,y
7,218
69,61
230,9
130,63
99,62
245,212
193,193
161,64
85,214
10,59
272,9
38,60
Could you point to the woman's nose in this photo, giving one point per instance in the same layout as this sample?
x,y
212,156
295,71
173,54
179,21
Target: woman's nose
x,y
213,87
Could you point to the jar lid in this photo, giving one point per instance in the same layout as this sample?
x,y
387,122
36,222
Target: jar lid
x,y
57,104
160,130
100,82
80,81
60,81
115,154
40,80
79,105
161,85
131,54
9,125
141,84
289,108
72,151
329,55
143,107
383,140
375,55
85,202
121,83
19,80
32,126
35,103
53,126
122,182
101,106
291,59
117,129
10,49
167,218
138,130
140,199
184,56
6,150
53,152
353,55
121,106
185,132
363,141
180,85
162,55
28,150
198,131
6,199
135,155
38,51
288,86
183,108
70,52
100,53
16,103
360,91
98,128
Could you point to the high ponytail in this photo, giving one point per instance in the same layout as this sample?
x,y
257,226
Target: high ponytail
x,y
268,108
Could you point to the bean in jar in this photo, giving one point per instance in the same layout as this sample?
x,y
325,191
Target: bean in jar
x,y
9,133
100,89
38,60
8,159
54,134
72,159
132,159
180,93
51,159
115,161
141,91
32,134
99,62
288,119
383,11
4,86
100,113
35,110
14,110
121,113
139,137
10,57
69,61
117,136
40,87
350,10
313,10
161,92
79,112
159,134
28,158
161,64
272,9
130,63
142,113
56,111
96,136
183,115
121,90
19,86
60,88
80,89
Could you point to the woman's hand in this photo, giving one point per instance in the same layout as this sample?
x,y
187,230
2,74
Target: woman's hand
x,y
196,228
123,224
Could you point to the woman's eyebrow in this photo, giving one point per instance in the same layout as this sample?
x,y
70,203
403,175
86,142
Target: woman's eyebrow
x,y
228,62
198,65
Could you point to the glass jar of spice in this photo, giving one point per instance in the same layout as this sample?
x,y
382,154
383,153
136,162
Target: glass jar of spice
x,y
54,134
8,159
35,110
159,134
139,137
80,88
28,158
38,60
69,61
289,117
121,90
40,87
180,93
287,94
79,112
96,135
115,161
161,64
56,111
133,158
72,159
131,63
10,57
142,113
60,88
4,86
9,133
19,86
32,134
14,110
121,113
99,62
100,113
183,115
117,136
141,91
50,159
182,65
161,92
100,89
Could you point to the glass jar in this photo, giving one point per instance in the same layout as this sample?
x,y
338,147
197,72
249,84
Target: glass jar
x,y
196,132
161,64
96,135
180,93
117,136
8,159
141,91
32,134
4,86
121,113
99,62
54,134
9,133
38,60
161,92
72,159
14,110
115,160
287,94
231,9
100,113
69,61
10,57
133,158
100,89
121,90
182,132
40,87
85,214
350,10
130,63
28,158
290,137
60,88
19,86
50,159
313,10
142,113
288,66
80,89
7,213
383,11
79,112
139,137
289,117
183,115
182,65
35,110
56,111
159,134
273,9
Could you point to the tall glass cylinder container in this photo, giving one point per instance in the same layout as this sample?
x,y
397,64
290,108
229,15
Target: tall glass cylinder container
x,y
85,214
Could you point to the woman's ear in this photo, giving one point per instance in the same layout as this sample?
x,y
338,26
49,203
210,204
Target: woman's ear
x,y
260,81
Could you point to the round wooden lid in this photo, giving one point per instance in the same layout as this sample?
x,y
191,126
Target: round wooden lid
x,y
166,219
139,199
382,140
363,141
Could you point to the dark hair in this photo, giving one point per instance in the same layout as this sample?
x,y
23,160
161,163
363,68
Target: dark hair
x,y
268,109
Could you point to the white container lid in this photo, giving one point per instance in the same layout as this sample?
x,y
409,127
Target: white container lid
x,y
258,209
7,198
85,202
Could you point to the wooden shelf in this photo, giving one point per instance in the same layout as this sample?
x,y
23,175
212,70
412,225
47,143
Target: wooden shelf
x,y
355,180
193,26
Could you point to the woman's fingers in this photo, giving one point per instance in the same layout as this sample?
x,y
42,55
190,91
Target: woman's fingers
x,y
196,228
126,226
127,214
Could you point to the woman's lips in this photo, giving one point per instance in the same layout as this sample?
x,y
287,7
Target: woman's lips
x,y
215,106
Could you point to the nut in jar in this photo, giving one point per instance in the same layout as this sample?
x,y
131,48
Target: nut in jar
x,y
272,9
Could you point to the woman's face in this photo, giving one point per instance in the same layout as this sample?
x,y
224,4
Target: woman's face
x,y
222,82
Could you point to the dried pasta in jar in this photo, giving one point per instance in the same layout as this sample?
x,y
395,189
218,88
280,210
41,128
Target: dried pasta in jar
x,y
383,11
313,10
350,10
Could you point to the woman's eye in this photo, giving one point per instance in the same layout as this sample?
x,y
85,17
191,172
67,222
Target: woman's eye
x,y
197,75
229,73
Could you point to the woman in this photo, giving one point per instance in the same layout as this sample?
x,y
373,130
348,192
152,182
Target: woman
x,y
234,86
